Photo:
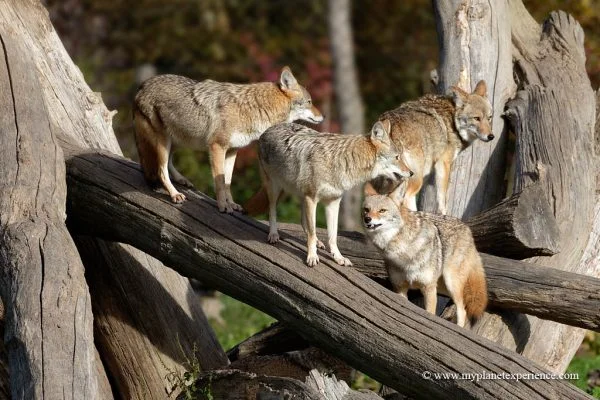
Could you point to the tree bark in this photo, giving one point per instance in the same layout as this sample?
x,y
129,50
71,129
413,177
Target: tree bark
x,y
336,308
80,117
48,332
347,93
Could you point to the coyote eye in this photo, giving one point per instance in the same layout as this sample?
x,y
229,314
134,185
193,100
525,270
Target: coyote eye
x,y
309,101
477,119
382,211
366,209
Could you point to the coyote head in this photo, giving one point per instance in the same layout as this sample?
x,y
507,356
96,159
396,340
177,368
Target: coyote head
x,y
302,107
382,212
473,116
388,160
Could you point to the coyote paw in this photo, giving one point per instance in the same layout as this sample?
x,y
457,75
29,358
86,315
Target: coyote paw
x,y
235,206
178,198
312,260
343,261
273,238
320,245
224,207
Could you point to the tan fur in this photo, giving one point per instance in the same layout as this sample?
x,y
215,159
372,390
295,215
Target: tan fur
x,y
427,252
433,129
218,116
319,168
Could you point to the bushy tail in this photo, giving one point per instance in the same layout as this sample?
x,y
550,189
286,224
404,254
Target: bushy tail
x,y
475,291
146,142
258,204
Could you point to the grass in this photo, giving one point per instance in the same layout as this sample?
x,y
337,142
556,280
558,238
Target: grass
x,y
241,322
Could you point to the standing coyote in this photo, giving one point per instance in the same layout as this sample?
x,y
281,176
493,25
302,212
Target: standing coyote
x,y
221,116
426,252
320,167
433,129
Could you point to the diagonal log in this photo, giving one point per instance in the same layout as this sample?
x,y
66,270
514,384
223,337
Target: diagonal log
x,y
337,308
548,293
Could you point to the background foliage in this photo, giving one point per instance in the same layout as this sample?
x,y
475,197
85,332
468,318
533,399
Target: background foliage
x,y
116,42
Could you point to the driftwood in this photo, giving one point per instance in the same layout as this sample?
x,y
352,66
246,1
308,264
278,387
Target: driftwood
x,y
129,335
48,326
519,227
336,308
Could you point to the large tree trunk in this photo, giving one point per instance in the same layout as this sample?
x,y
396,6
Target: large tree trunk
x,y
347,93
139,332
342,311
48,332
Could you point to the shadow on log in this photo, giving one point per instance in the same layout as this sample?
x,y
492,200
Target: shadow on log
x,y
337,308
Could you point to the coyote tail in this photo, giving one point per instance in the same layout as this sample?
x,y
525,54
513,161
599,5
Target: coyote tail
x,y
475,293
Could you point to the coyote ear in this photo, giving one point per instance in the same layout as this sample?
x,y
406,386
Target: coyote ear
x,y
369,190
287,79
458,96
481,89
379,131
397,195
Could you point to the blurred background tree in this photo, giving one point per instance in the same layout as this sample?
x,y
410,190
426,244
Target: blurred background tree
x,y
119,43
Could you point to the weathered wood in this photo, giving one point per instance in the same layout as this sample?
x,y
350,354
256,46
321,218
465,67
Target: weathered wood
x,y
548,293
48,312
275,339
48,327
474,38
338,309
553,117
134,339
518,227
155,300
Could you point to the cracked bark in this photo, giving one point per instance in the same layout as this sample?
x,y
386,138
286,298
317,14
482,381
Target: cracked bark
x,y
48,326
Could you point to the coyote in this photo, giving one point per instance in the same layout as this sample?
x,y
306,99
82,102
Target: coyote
x,y
432,130
221,116
426,251
320,167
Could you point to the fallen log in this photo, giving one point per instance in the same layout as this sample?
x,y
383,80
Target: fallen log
x,y
518,227
547,293
337,308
